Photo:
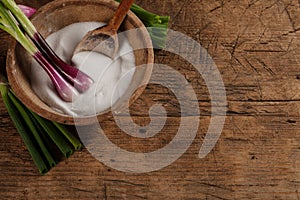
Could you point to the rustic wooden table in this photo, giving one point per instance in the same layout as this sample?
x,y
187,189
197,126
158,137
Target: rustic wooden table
x,y
256,46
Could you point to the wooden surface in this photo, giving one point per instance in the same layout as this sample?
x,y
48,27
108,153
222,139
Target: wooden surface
x,y
256,46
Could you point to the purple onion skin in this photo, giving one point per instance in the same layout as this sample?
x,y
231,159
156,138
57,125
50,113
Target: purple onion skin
x,y
80,80
66,91
28,11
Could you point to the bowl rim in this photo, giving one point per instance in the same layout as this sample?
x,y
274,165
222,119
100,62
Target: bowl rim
x,y
56,116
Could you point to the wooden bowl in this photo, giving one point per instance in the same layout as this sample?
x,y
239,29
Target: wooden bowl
x,y
56,15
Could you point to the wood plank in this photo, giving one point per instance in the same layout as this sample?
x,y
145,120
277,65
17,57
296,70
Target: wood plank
x,y
247,162
255,45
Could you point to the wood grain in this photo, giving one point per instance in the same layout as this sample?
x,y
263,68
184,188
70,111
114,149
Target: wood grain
x,y
255,45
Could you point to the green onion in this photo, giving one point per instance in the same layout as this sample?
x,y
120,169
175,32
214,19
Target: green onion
x,y
11,17
45,137
32,128
54,135
40,136
19,15
22,129
72,139
80,80
9,24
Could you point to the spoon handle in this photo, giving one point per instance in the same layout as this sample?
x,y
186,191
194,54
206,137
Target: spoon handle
x,y
120,14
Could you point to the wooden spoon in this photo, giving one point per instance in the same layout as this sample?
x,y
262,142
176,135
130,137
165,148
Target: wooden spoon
x,y
105,39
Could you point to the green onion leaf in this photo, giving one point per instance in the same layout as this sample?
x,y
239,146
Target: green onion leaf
x,y
72,139
22,19
26,116
22,129
9,24
48,142
54,135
